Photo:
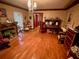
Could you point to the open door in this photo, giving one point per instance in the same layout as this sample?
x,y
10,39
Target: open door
x,y
37,18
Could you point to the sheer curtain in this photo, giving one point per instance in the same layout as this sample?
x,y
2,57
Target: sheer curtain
x,y
18,17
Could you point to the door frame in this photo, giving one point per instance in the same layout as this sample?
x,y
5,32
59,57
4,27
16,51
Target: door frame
x,y
39,14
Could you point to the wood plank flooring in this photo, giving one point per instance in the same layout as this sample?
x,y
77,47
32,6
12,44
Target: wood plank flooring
x,y
35,45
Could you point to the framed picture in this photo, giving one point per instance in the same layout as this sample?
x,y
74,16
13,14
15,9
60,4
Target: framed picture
x,y
2,12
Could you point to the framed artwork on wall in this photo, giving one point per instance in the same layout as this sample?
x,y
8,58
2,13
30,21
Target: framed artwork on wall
x,y
2,12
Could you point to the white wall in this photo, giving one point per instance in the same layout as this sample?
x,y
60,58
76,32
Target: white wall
x,y
75,15
62,14
10,10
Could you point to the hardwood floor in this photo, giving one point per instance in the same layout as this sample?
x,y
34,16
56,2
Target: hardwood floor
x,y
35,45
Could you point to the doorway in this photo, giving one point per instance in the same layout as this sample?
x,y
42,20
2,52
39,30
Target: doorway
x,y
37,18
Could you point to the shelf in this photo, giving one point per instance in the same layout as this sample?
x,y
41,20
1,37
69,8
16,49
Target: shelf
x,y
9,27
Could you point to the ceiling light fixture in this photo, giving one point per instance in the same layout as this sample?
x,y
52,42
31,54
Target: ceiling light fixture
x,y
31,5
35,5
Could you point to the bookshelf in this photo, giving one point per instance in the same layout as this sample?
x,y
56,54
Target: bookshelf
x,y
69,39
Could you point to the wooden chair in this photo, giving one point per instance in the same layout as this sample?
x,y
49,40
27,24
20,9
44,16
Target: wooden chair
x,y
42,27
61,36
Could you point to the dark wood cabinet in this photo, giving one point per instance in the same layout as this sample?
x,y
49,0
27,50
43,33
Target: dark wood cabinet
x,y
71,39
70,35
53,25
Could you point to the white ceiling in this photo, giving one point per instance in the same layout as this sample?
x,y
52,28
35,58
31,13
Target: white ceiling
x,y
42,4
